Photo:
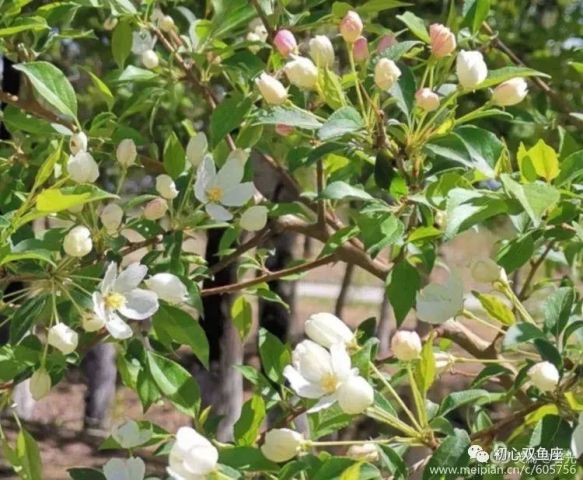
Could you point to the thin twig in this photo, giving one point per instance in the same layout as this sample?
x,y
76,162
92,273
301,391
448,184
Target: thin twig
x,y
264,20
35,109
533,269
268,277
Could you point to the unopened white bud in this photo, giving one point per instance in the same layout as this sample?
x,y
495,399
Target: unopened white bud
x,y
281,444
166,187
544,376
166,23
78,243
443,361
471,69
126,152
91,322
367,452
111,217
150,59
510,92
110,23
63,338
78,143
327,329
254,218
271,89
155,209
386,73
196,149
427,99
302,73
82,168
355,395
40,384
322,51
406,345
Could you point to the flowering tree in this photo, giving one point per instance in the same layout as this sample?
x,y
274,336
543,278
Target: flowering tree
x,y
381,139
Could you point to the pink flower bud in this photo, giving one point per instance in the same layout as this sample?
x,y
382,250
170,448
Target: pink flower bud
x,y
385,42
360,49
351,27
442,40
427,99
155,209
284,130
285,42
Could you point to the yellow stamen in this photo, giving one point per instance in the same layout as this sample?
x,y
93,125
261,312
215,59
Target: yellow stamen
x,y
114,301
329,382
215,194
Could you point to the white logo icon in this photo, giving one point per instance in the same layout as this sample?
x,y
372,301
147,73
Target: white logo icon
x,y
477,453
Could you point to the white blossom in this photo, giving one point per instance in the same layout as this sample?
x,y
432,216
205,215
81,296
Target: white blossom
x,y
192,456
63,338
386,73
544,376
126,152
281,444
322,51
119,294
78,143
302,73
327,329
166,187
77,242
272,90
510,93
132,468
471,69
168,287
223,189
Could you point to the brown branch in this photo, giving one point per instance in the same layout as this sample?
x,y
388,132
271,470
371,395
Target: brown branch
x,y
35,109
556,98
533,269
346,280
268,277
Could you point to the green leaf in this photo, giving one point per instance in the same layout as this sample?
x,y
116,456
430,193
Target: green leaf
x,y
55,200
252,416
384,170
475,12
289,117
535,198
516,253
393,462
174,156
51,85
496,308
46,169
379,230
24,24
437,303
29,457
274,355
551,432
452,453
402,286
571,168
502,74
331,89
246,459
180,327
25,317
375,6
416,25
557,309
229,115
404,91
541,160
352,472
425,372
85,474
242,316
344,191
175,383
343,121
457,399
121,42
521,333
395,52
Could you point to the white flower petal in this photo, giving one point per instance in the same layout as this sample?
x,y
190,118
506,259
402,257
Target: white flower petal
x,y
218,212
109,278
130,278
115,469
140,304
136,468
205,176
238,195
231,174
312,361
117,328
340,361
300,385
324,402
99,306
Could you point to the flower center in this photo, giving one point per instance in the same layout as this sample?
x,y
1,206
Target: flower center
x,y
114,301
329,382
215,194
